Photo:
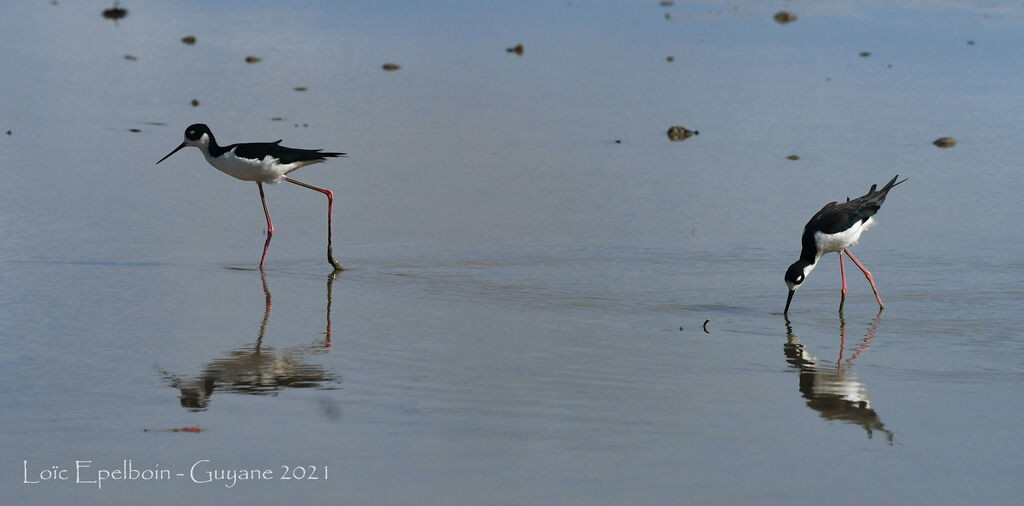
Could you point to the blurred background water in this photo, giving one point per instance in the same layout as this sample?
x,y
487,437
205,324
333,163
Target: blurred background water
x,y
531,262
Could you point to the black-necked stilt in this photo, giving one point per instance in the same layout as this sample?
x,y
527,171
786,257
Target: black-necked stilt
x,y
835,228
262,162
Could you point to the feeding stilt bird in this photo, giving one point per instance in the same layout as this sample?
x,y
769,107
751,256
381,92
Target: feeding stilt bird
x,y
262,162
836,227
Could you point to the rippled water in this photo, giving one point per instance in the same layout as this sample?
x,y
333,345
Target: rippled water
x,y
545,300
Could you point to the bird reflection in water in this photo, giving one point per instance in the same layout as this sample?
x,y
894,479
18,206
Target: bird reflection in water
x,y
259,369
832,389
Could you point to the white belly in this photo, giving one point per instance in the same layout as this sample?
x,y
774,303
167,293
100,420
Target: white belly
x,y
267,170
828,243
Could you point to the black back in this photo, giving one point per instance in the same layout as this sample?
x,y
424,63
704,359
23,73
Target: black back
x,y
836,217
258,150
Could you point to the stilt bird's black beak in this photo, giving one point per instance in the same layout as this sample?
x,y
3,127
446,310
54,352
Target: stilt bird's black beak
x,y
788,300
183,144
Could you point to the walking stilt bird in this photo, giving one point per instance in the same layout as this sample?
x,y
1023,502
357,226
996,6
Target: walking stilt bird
x,y
262,162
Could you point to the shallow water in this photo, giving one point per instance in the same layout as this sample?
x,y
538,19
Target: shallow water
x,y
532,312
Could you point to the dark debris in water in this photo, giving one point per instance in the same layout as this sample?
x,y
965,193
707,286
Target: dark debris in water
x,y
865,54
517,49
784,17
253,59
301,88
195,102
680,133
945,142
189,40
115,13
134,130
670,59
793,157
277,118
390,67
195,429
130,57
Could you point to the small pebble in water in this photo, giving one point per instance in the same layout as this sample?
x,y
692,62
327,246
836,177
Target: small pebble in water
x,y
679,133
115,13
784,17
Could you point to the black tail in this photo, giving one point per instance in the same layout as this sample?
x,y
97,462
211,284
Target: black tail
x,y
892,182
330,154
872,200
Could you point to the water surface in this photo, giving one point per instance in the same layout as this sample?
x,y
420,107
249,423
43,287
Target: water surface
x,y
532,265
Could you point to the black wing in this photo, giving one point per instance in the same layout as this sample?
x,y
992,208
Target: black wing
x,y
836,217
260,150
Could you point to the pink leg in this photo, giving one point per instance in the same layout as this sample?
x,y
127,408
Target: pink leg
x,y
270,224
866,275
330,213
842,271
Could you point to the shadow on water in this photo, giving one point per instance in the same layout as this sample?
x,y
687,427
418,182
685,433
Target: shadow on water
x,y
832,389
257,369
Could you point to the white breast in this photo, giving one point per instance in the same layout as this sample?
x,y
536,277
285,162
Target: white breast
x,y
828,243
265,170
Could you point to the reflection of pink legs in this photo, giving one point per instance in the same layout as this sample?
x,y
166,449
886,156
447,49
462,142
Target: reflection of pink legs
x,y
270,225
866,275
842,271
330,213
842,329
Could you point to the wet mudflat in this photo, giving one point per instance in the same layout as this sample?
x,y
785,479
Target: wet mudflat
x,y
508,329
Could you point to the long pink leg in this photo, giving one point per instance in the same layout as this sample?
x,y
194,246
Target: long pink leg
x,y
330,213
270,224
842,271
866,275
